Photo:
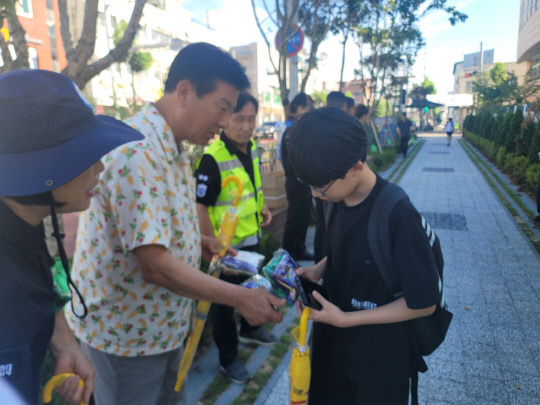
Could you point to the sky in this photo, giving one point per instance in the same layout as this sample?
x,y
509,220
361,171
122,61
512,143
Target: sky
x,y
493,22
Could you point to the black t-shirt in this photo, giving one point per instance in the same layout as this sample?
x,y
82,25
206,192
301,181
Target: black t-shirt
x,y
354,282
404,128
209,178
26,303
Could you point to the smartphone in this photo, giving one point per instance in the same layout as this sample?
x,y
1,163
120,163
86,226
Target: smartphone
x,y
305,289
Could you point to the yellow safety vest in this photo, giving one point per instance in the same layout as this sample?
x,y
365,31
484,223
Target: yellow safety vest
x,y
252,201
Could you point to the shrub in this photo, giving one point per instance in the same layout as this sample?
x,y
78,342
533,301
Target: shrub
x,y
524,140
514,131
531,177
500,158
517,167
500,138
535,146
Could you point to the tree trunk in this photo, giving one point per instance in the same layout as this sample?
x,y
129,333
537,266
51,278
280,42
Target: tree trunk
x,y
77,67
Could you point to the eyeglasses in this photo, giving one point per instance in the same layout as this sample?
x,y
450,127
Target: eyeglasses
x,y
323,192
317,189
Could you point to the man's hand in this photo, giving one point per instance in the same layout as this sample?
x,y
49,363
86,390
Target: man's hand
x,y
70,359
267,216
258,306
209,247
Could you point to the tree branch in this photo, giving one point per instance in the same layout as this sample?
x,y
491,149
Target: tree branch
x,y
64,29
122,47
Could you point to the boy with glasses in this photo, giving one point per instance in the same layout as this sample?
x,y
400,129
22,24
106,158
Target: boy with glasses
x,y
360,351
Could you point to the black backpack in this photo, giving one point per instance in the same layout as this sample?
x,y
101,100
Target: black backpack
x,y
424,334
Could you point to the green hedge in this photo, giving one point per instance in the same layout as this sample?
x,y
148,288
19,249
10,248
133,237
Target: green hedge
x,y
517,167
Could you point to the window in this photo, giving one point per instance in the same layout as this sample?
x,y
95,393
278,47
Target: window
x,y
265,97
24,8
32,58
277,97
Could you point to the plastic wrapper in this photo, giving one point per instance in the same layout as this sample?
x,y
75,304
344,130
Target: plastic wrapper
x,y
280,272
244,263
257,281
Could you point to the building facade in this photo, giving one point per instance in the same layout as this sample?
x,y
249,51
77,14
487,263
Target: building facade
x,y
529,36
41,21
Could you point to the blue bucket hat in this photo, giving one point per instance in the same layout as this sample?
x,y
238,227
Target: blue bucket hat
x,y
48,132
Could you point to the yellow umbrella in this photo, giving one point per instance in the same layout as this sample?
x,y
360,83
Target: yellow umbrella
x,y
57,381
300,367
224,238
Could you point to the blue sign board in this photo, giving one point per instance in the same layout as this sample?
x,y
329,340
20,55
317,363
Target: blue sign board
x,y
295,42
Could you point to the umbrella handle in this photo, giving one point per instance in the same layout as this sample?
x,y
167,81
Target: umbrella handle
x,y
303,328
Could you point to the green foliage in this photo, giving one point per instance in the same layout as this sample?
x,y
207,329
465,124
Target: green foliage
x,y
535,146
498,74
423,89
381,161
523,142
516,166
140,61
7,9
531,176
500,159
500,137
514,130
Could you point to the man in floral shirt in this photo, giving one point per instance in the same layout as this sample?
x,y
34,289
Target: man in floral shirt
x,y
139,246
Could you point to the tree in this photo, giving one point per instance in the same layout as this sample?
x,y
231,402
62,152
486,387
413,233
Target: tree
x,y
78,57
390,39
500,88
423,89
314,17
79,65
349,15
498,74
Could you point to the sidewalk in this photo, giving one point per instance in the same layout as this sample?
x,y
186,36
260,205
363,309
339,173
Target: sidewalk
x,y
491,354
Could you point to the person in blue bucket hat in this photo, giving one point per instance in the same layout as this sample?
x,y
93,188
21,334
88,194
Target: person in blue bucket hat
x,y
51,144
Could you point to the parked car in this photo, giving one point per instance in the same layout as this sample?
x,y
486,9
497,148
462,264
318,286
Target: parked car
x,y
269,130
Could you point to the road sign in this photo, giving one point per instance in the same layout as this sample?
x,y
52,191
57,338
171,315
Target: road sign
x,y
295,42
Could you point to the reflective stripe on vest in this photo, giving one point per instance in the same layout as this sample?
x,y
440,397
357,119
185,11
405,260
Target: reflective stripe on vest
x,y
251,202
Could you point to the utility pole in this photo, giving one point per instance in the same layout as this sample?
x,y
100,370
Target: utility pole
x,y
481,57
293,62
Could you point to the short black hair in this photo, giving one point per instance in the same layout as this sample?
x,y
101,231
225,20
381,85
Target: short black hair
x,y
324,144
360,111
202,64
243,99
300,100
349,101
336,99
404,114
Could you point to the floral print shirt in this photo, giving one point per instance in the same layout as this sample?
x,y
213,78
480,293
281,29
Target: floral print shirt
x,y
145,196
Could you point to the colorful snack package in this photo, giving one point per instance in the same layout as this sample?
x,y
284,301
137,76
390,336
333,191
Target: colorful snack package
x,y
257,281
280,272
244,263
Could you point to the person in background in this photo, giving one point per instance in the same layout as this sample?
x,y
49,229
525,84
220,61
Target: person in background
x,y
336,99
361,112
350,105
51,144
404,132
299,201
234,154
449,128
139,245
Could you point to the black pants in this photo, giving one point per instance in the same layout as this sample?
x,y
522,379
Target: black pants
x,y
223,324
298,215
404,144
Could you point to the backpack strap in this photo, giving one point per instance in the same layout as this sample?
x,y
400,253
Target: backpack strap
x,y
378,231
